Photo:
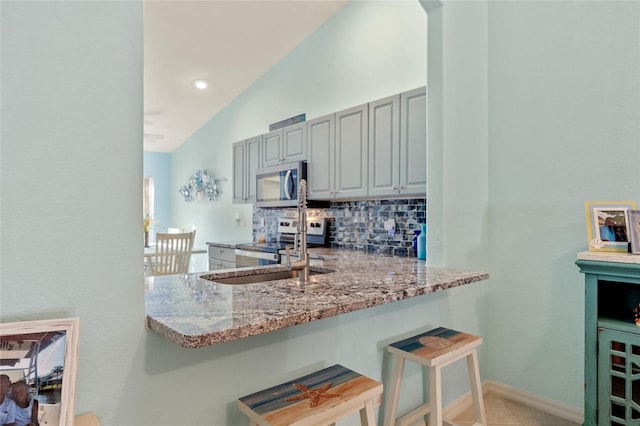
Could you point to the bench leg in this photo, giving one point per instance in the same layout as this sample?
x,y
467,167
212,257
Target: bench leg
x,y
476,388
435,396
391,406
366,414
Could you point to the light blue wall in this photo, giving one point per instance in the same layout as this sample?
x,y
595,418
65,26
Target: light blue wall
x,y
564,101
562,83
157,165
367,51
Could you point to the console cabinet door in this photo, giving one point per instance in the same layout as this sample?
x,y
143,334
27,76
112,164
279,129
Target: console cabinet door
x,y
239,149
384,147
351,153
321,158
413,142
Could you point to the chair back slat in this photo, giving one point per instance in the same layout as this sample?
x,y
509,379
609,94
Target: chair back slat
x,y
173,253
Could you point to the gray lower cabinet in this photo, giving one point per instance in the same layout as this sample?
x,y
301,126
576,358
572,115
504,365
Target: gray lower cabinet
x,y
284,145
398,145
246,160
221,257
337,146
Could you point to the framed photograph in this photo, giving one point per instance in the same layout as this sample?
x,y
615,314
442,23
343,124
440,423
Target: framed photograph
x,y
42,354
607,225
634,230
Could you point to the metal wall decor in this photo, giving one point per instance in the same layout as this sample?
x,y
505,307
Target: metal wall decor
x,y
201,186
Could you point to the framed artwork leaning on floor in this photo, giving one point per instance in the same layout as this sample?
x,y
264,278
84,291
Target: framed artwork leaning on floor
x,y
43,354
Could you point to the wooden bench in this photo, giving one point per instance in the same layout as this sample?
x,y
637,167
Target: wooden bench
x,y
320,398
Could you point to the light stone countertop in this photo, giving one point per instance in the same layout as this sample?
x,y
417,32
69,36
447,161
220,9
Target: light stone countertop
x,y
226,244
195,312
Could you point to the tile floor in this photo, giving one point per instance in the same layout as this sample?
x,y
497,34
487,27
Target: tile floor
x,y
504,412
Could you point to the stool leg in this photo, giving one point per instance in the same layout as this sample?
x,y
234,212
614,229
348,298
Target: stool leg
x,y
435,396
366,414
476,388
391,406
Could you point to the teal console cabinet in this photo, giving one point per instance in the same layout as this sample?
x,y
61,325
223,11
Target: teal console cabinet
x,y
612,338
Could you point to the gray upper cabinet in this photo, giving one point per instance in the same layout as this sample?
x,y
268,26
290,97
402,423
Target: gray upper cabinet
x,y
375,150
337,147
351,153
413,142
239,149
246,160
398,145
286,144
294,142
321,164
272,148
384,146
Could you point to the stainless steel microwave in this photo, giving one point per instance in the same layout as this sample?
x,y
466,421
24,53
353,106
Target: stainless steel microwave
x,y
277,186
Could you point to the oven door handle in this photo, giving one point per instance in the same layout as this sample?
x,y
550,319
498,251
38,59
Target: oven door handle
x,y
288,189
257,254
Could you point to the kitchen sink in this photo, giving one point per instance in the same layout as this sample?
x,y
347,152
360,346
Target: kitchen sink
x,y
270,276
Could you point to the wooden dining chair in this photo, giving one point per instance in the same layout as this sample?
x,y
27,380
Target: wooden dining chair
x,y
173,253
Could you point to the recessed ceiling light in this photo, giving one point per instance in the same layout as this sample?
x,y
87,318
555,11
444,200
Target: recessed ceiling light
x,y
201,84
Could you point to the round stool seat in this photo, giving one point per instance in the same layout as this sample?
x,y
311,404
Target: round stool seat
x,y
318,398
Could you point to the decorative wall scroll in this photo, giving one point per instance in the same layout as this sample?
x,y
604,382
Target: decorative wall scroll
x,y
201,186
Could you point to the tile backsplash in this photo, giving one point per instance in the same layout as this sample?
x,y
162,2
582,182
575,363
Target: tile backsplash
x,y
358,225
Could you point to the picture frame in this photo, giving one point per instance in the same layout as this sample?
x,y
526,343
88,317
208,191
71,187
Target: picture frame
x,y
634,230
607,225
43,354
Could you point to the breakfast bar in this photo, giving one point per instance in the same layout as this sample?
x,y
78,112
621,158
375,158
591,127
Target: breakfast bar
x,y
195,312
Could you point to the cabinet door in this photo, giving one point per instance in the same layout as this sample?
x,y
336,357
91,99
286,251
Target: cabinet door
x,y
271,148
413,142
253,149
352,145
618,377
294,142
384,147
321,160
239,172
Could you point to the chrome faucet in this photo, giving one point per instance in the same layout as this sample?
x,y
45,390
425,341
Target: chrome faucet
x,y
300,240
303,278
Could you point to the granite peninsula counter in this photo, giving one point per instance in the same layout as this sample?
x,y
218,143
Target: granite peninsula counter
x,y
195,312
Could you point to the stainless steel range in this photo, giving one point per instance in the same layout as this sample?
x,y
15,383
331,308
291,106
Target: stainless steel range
x,y
258,254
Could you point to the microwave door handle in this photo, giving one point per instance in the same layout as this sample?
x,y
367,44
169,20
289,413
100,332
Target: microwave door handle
x,y
288,189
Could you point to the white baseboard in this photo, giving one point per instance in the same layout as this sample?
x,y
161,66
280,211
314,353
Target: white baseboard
x,y
510,393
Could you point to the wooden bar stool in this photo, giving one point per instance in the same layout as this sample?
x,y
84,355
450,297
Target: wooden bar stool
x,y
435,349
320,398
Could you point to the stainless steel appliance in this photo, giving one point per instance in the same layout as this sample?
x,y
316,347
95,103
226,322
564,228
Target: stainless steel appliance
x,y
258,254
277,186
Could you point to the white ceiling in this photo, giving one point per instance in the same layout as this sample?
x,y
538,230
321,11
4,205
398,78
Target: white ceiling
x,y
229,43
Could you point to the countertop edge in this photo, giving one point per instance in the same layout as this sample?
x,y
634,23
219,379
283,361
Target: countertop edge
x,y
208,339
